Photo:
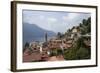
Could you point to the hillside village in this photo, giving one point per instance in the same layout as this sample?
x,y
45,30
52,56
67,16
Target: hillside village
x,y
74,44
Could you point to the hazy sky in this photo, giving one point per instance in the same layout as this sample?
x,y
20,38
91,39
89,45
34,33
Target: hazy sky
x,y
54,21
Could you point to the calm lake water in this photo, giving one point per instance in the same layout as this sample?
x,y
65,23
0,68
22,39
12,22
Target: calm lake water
x,y
37,39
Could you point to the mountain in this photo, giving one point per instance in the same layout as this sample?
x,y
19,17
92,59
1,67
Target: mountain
x,y
32,32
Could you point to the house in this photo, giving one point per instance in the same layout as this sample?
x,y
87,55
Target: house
x,y
75,32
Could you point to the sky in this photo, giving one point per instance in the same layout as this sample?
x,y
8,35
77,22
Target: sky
x,y
56,21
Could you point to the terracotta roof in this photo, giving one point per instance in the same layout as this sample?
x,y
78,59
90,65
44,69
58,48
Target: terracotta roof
x,y
56,58
32,57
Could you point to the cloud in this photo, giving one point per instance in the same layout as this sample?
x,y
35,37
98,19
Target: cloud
x,y
57,22
70,16
52,19
64,17
73,15
41,17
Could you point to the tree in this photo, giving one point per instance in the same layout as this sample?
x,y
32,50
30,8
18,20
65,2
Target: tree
x,y
83,53
89,25
46,37
53,52
78,51
85,26
73,27
26,46
84,22
69,30
80,24
59,52
59,35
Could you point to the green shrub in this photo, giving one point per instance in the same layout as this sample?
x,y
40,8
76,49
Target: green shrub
x,y
78,51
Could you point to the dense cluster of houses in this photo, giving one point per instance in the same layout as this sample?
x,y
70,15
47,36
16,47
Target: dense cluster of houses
x,y
40,51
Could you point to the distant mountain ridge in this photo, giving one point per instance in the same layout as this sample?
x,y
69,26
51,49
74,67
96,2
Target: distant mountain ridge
x,y
32,32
